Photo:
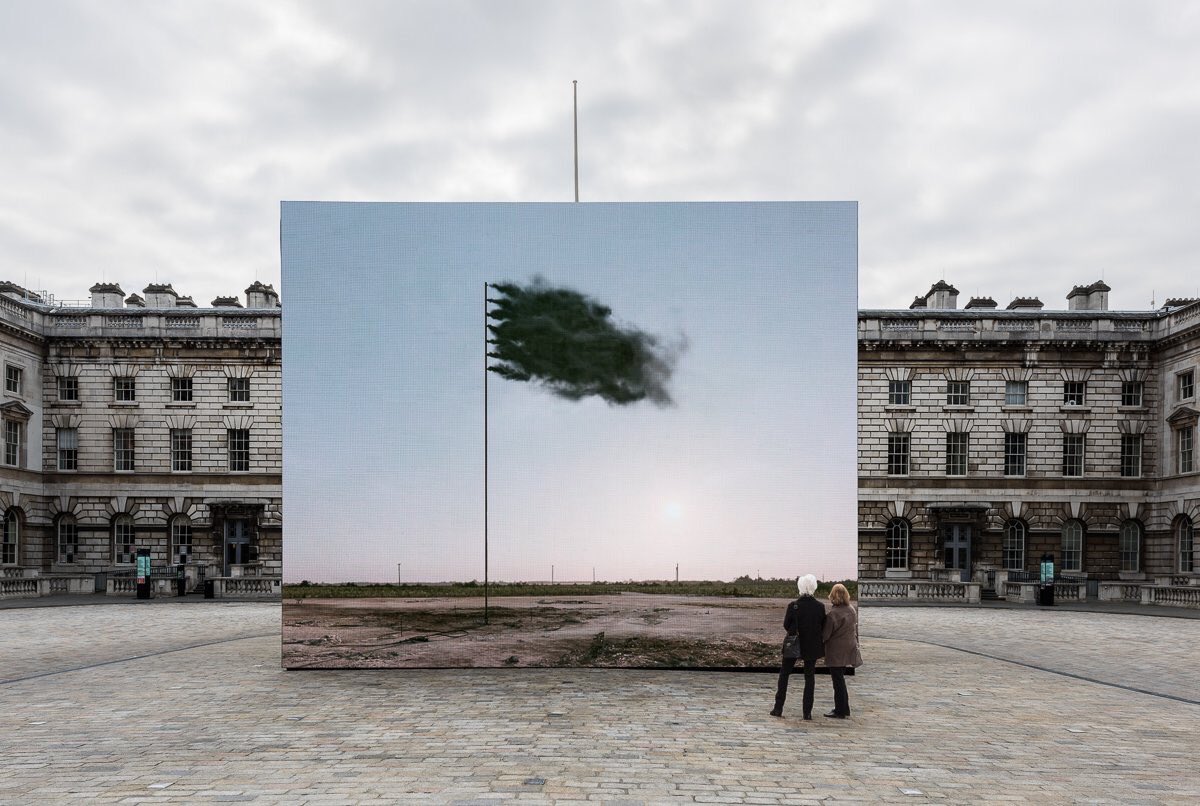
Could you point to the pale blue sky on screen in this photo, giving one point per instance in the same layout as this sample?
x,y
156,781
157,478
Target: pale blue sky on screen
x,y
752,471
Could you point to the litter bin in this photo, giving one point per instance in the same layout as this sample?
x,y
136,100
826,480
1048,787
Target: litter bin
x,y
1046,593
210,589
181,585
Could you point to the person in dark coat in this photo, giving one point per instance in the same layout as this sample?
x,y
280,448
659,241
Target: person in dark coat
x,y
841,647
805,618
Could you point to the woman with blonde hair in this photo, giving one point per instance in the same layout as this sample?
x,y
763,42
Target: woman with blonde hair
x,y
841,647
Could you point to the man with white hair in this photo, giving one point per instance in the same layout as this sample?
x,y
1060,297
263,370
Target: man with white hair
x,y
804,622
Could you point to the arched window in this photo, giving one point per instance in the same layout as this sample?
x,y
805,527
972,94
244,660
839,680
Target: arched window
x,y
181,539
68,539
12,538
1187,543
897,545
1072,546
123,550
1014,546
1131,546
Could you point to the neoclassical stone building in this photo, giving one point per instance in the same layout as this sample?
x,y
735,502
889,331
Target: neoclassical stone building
x,y
990,437
140,422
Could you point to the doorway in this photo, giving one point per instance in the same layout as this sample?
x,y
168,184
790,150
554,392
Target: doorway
x,y
956,549
238,550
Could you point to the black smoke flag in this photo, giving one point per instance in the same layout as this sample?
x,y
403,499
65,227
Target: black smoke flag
x,y
568,343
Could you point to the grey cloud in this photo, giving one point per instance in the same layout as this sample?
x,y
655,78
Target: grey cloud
x,y
1022,144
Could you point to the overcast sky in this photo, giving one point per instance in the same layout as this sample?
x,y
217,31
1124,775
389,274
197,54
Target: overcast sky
x,y
1012,148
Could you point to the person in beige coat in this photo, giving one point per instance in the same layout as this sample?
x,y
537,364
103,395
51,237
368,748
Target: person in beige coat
x,y
841,647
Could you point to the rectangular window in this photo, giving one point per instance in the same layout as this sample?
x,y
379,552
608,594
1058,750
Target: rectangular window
x,y
124,390
958,393
899,393
239,449
68,540
1016,393
12,443
1073,549
1187,385
898,452
1131,393
897,546
1131,455
239,390
1072,459
181,539
1014,454
123,449
181,390
1131,539
956,454
1074,393
68,389
181,449
1014,546
68,448
1186,440
13,377
123,550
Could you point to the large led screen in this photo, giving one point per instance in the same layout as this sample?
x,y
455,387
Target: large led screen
x,y
522,435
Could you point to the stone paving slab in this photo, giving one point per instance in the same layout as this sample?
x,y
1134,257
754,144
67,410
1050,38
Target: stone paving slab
x,y
224,724
1152,654
37,640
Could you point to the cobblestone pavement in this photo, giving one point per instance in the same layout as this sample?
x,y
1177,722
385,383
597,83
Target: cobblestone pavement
x,y
1153,654
222,723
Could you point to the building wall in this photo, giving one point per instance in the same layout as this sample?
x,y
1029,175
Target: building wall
x,y
152,345
1044,348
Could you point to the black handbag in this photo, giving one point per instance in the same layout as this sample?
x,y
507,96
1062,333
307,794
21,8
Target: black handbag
x,y
791,646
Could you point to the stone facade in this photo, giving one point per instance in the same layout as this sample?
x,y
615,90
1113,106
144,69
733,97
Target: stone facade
x,y
141,422
990,437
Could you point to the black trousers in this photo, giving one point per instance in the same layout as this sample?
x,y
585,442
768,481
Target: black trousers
x,y
841,697
785,670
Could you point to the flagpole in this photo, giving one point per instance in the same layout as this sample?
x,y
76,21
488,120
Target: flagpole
x,y
575,117
485,457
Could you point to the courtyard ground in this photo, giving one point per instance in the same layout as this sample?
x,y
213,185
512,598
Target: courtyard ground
x,y
163,703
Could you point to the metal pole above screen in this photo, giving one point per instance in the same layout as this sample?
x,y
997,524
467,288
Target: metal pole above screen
x,y
485,453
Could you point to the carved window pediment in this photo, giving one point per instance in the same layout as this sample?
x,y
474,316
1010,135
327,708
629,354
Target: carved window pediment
x,y
16,411
1183,416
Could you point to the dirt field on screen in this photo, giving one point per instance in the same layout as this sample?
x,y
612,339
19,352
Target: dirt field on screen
x,y
621,630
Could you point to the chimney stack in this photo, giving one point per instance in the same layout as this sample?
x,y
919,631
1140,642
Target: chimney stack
x,y
1025,304
980,302
942,296
261,296
1092,297
107,295
160,295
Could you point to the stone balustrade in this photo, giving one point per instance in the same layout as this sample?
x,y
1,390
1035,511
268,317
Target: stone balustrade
x,y
18,587
121,586
33,587
1027,592
1070,591
243,586
1176,580
1020,592
1183,596
918,590
1120,592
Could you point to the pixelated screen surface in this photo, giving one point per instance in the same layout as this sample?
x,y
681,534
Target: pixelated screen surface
x,y
563,434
